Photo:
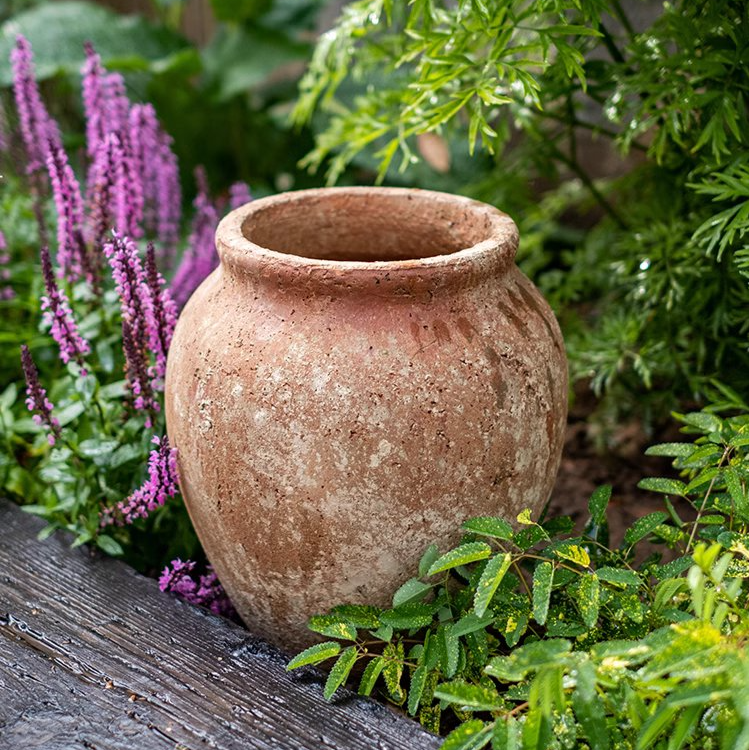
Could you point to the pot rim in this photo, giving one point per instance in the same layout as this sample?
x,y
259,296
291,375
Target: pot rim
x,y
488,257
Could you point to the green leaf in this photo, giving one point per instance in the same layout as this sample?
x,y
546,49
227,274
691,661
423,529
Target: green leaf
x,y
358,615
412,589
542,580
471,622
462,555
673,450
477,697
114,36
663,485
703,421
470,735
448,648
737,491
340,671
314,654
598,503
620,576
572,552
525,518
332,626
489,526
506,734
431,553
489,582
370,675
408,616
528,658
393,670
109,545
418,679
589,709
588,598
643,526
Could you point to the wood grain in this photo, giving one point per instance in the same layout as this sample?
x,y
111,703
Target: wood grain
x,y
93,656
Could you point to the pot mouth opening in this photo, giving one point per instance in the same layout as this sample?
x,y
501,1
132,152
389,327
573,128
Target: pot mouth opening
x,y
374,227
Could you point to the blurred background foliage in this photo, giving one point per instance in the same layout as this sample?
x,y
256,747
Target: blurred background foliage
x,y
614,133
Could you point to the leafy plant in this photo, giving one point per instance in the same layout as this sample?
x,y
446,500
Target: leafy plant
x,y
654,295
528,635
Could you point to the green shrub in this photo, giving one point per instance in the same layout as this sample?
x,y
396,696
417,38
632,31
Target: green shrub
x,y
654,295
531,636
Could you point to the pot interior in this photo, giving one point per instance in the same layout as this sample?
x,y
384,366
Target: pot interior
x,y
367,226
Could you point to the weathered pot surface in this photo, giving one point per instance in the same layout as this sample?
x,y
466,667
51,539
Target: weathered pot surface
x,y
366,369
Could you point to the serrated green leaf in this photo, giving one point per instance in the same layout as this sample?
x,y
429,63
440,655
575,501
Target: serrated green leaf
x,y
358,615
663,485
370,675
525,517
528,658
543,576
471,622
462,555
588,598
408,616
589,709
314,654
412,590
643,526
470,735
340,671
738,493
489,582
489,526
671,450
332,626
477,697
448,648
572,552
392,672
529,537
427,559
506,733
415,690
620,576
598,503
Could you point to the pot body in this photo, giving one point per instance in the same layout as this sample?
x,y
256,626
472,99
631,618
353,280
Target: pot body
x,y
338,408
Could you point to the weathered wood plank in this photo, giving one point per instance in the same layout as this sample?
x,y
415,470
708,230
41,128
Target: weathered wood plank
x,y
93,656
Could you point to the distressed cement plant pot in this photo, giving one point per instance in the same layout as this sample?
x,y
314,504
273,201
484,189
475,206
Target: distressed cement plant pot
x,y
366,369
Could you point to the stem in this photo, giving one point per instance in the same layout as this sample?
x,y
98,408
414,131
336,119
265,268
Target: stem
x,y
701,510
623,18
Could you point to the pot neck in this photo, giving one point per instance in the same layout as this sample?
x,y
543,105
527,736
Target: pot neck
x,y
384,241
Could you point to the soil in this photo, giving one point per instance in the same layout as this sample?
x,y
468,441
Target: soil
x,y
622,464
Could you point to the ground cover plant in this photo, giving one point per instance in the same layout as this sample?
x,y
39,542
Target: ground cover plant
x,y
530,636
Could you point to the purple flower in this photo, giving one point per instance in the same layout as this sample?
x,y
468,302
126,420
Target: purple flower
x,y
208,592
162,315
239,195
137,371
201,257
161,483
107,190
38,129
72,254
58,315
159,174
37,400
130,282
107,111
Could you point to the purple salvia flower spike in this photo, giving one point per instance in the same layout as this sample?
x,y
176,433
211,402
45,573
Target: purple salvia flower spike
x,y
136,366
162,318
107,190
36,397
93,101
239,195
130,281
72,253
201,257
177,578
59,316
161,483
37,128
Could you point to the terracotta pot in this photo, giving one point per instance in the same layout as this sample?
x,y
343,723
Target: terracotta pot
x,y
366,369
